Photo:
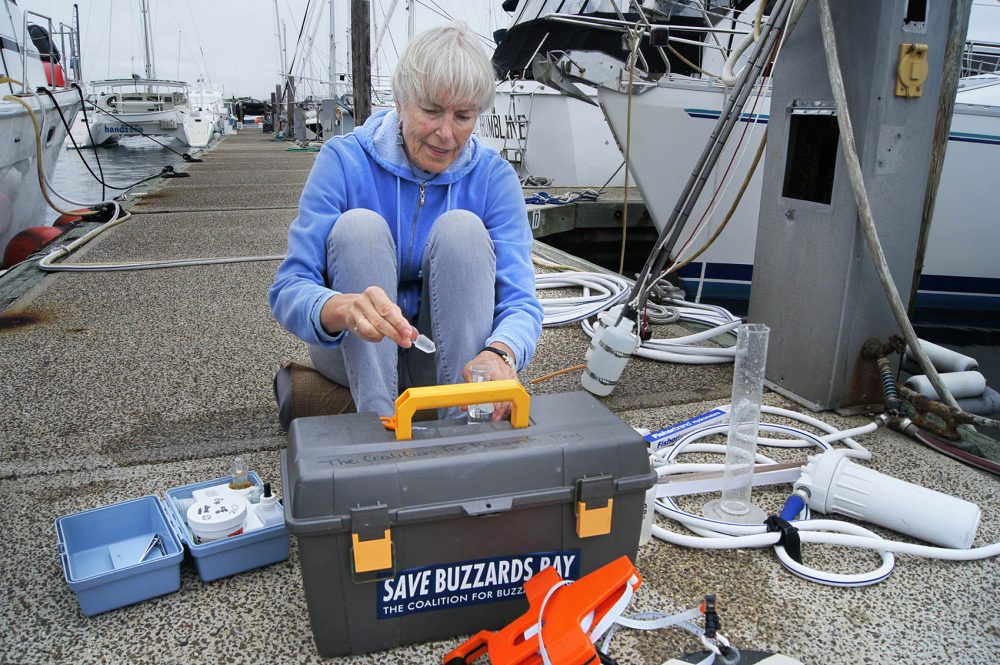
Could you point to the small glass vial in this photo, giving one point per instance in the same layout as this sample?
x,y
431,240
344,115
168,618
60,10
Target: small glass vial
x,y
424,343
481,413
241,480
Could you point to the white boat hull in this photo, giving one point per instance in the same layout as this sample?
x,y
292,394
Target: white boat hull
x,y
544,133
960,268
21,202
194,131
548,135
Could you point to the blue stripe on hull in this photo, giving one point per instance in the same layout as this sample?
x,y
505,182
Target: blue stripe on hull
x,y
732,281
963,137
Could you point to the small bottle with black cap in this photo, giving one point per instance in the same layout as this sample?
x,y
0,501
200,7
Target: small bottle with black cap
x,y
269,511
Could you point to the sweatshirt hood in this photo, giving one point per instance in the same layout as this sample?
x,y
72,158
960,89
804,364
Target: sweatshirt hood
x,y
379,136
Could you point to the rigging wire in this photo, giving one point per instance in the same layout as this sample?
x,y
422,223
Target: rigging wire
x,y
635,38
731,113
86,121
724,182
729,213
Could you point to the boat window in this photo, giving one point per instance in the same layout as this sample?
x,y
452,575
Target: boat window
x,y
811,161
916,11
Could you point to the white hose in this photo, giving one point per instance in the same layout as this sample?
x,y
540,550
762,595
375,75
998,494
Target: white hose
x,y
714,534
600,292
47,262
728,76
683,350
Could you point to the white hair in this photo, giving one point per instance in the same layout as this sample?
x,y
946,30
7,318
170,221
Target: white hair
x,y
446,62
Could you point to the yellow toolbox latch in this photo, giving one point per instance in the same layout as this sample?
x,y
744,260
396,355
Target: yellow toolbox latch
x,y
912,70
594,504
372,553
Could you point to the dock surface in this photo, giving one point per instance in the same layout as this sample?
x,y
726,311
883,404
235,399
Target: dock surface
x,y
119,385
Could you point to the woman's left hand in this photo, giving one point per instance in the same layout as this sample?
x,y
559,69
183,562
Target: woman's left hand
x,y
499,371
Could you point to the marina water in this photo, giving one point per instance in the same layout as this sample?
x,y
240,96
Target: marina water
x,y
132,159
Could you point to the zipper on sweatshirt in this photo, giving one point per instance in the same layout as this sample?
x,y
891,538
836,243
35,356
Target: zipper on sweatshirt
x,y
413,229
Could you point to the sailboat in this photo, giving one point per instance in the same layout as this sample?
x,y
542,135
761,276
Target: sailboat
x,y
140,106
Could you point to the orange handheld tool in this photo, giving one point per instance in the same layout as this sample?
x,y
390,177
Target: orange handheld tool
x,y
571,612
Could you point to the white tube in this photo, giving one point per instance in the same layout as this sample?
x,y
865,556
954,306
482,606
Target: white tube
x,y
960,384
944,360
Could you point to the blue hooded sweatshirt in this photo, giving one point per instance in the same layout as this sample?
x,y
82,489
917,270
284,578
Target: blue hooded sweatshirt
x,y
369,169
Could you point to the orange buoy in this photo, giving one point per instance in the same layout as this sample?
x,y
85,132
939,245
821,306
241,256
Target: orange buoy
x,y
27,242
66,220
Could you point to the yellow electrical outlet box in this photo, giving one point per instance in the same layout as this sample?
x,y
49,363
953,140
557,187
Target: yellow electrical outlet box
x,y
912,70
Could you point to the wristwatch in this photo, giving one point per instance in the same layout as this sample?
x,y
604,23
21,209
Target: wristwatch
x,y
507,358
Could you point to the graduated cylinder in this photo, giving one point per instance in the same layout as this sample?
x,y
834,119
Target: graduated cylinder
x,y
744,423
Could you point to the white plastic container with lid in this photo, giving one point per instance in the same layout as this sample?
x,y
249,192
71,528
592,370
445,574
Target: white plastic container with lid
x,y
838,485
269,511
217,517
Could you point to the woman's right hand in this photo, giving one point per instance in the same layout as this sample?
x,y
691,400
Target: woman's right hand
x,y
370,315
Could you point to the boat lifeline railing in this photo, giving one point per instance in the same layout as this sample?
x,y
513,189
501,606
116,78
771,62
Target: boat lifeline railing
x,y
64,31
980,58
68,32
658,34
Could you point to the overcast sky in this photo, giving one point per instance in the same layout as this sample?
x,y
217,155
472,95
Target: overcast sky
x,y
233,43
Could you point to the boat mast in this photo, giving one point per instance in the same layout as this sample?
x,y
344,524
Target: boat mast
x,y
150,70
333,49
75,45
410,21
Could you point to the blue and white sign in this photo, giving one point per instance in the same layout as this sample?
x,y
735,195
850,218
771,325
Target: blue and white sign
x,y
668,435
449,585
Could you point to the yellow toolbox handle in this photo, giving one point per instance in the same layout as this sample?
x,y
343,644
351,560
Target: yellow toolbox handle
x,y
458,394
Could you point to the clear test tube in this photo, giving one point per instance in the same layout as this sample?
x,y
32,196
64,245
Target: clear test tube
x,y
744,423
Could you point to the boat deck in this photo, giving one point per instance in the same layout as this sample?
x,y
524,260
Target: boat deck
x,y
124,384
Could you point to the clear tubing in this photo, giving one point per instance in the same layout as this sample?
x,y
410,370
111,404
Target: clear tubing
x,y
744,420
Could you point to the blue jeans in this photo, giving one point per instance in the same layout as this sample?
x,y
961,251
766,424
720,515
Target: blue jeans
x,y
456,306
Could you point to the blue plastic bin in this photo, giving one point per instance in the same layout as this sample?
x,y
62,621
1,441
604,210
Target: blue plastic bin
x,y
229,556
102,554
102,549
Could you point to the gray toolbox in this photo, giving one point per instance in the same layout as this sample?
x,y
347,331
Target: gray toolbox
x,y
404,541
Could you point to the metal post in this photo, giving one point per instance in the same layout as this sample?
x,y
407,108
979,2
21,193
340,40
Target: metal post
x,y
333,49
957,28
147,40
814,281
290,108
75,41
276,108
361,59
